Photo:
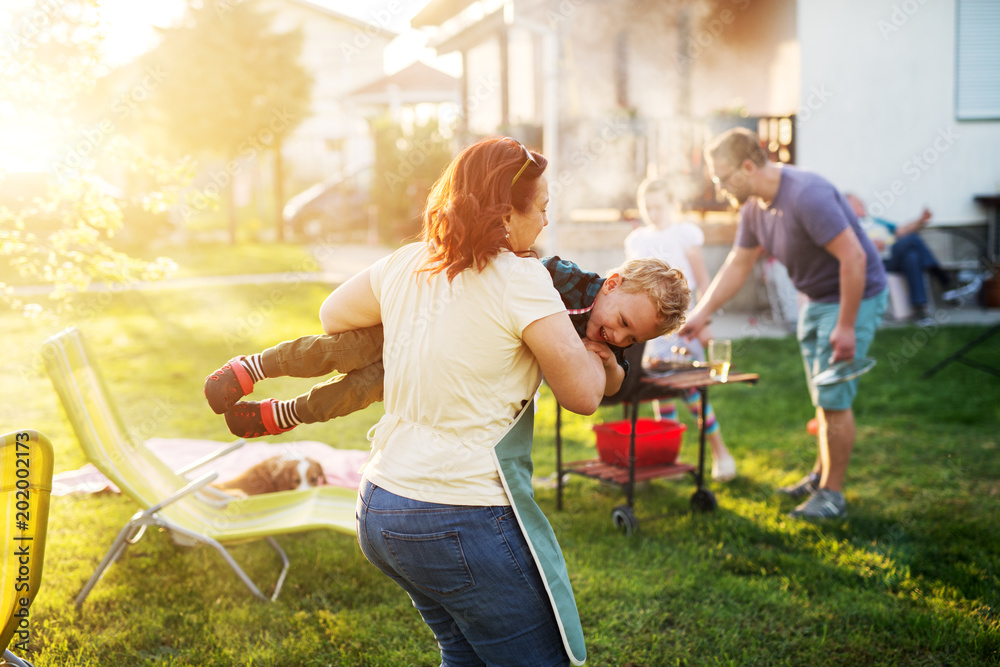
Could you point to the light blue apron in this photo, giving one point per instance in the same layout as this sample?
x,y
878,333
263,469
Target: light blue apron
x,y
513,460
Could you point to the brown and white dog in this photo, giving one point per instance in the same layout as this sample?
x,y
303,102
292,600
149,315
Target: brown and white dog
x,y
278,473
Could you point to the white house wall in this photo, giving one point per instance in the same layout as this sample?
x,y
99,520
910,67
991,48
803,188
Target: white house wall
x,y
878,109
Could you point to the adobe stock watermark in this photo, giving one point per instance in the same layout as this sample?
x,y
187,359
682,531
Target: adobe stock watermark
x,y
914,168
818,96
952,472
912,345
613,129
380,21
223,7
483,89
154,417
414,158
92,138
422,323
32,24
99,297
248,149
562,12
270,306
899,16
707,35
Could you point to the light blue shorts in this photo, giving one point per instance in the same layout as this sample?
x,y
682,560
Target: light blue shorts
x,y
816,322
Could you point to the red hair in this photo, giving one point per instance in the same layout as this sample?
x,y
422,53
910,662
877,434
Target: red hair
x,y
463,221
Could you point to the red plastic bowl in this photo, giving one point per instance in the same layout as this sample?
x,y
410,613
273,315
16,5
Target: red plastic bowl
x,y
656,442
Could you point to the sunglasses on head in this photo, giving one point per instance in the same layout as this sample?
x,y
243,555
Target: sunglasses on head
x,y
531,159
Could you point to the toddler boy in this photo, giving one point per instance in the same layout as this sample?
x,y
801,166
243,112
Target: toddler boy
x,y
642,299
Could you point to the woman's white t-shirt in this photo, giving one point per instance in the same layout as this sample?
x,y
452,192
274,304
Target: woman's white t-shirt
x,y
456,372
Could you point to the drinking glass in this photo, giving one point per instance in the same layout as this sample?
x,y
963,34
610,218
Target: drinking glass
x,y
720,352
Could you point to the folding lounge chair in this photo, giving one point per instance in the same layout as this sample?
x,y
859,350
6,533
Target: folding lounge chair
x,y
168,499
25,485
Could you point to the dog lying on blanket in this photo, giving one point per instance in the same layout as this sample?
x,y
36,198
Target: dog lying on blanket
x,y
278,473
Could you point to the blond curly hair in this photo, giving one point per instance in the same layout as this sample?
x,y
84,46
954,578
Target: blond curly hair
x,y
664,285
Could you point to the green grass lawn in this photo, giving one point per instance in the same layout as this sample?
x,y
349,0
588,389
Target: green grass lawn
x,y
222,259
911,578
209,259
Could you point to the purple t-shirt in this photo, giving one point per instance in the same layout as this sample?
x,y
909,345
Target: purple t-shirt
x,y
806,214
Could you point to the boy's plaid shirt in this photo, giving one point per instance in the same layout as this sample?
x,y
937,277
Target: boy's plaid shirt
x,y
578,290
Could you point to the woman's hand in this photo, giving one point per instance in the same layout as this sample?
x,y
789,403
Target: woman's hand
x,y
615,373
575,374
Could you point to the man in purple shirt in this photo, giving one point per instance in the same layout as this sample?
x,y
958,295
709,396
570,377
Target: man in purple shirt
x,y
802,220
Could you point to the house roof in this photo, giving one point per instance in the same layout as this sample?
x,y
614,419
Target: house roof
x,y
413,84
464,33
367,25
471,34
437,12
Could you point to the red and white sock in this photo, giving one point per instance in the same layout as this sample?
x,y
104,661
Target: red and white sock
x,y
279,416
253,366
285,415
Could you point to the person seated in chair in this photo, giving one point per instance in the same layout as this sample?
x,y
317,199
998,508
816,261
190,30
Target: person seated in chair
x,y
903,251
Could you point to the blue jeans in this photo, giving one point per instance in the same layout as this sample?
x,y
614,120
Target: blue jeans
x,y
910,256
469,573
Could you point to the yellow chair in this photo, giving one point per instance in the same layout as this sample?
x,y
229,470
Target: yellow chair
x,y
25,485
167,498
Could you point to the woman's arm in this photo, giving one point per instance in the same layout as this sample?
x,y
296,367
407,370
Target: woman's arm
x,y
351,306
615,373
575,375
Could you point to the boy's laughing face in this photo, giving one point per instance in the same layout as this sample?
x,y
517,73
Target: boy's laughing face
x,y
621,318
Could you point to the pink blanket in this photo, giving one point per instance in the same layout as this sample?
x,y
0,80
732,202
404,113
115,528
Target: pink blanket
x,y
340,465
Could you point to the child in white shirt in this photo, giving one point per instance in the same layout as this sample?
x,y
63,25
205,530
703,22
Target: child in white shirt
x,y
678,242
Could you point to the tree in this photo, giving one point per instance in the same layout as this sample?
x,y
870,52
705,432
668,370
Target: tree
x,y
232,88
62,234
406,166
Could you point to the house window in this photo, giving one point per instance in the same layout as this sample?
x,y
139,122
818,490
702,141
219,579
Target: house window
x,y
977,60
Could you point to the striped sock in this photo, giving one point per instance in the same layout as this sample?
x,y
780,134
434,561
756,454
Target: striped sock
x,y
285,415
693,400
668,410
254,367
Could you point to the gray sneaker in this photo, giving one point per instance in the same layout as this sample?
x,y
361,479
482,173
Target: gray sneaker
x,y
824,504
804,487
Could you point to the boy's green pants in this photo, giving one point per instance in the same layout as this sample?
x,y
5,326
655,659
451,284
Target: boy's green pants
x,y
357,355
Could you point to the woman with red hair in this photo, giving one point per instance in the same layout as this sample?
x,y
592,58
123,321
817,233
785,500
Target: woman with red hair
x,y
471,323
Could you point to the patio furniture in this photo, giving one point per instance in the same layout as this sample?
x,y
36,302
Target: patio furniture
x,y
960,357
166,498
25,485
